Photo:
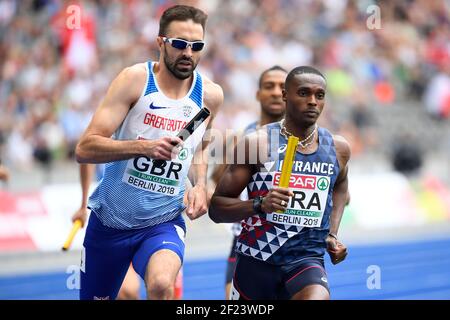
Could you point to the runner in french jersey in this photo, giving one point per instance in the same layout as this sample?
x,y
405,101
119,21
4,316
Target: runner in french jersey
x,y
286,231
137,206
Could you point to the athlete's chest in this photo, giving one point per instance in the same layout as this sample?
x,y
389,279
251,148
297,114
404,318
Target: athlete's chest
x,y
160,114
308,173
311,182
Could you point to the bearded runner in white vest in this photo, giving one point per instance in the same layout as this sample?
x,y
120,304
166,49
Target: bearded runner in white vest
x,y
138,204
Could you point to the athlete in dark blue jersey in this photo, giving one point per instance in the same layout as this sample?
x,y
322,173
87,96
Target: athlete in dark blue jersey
x,y
280,255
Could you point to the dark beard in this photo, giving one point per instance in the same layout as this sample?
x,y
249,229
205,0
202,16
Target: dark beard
x,y
182,75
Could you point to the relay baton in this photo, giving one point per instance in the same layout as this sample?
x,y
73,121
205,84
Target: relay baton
x,y
76,226
288,162
189,129
195,122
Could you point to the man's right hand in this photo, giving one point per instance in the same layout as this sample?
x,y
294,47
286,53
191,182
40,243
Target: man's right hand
x,y
165,148
81,214
276,199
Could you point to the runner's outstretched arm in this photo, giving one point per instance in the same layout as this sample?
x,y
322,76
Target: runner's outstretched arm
x,y
86,174
335,248
226,206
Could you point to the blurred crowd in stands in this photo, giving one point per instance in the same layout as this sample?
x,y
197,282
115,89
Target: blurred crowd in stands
x,y
53,74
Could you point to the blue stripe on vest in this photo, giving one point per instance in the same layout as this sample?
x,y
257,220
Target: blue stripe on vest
x,y
197,92
151,86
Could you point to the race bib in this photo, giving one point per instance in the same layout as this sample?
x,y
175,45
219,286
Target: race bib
x,y
308,204
144,174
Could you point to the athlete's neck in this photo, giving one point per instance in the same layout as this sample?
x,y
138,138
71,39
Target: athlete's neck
x,y
267,118
171,86
297,130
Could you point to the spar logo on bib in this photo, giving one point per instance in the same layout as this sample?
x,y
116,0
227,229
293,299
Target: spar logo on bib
x,y
322,184
308,204
297,181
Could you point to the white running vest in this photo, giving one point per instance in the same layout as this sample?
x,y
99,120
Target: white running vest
x,y
134,193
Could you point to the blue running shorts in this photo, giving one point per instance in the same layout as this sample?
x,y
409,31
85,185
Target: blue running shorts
x,y
257,280
108,252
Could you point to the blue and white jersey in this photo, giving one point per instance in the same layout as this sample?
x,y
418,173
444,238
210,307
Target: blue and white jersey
x,y
136,193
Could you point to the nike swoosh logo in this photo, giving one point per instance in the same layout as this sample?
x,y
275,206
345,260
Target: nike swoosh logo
x,y
151,106
167,242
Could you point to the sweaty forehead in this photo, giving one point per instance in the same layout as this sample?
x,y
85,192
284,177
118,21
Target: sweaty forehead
x,y
188,30
309,79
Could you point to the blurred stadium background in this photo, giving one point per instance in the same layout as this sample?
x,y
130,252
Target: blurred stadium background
x,y
388,94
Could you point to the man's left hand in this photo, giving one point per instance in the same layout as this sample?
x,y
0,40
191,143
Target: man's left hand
x,y
336,250
197,202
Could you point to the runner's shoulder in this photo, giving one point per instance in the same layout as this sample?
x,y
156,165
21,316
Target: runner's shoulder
x,y
342,147
213,94
130,82
258,135
136,72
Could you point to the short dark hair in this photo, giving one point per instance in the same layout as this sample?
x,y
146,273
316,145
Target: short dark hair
x,y
276,67
303,70
181,13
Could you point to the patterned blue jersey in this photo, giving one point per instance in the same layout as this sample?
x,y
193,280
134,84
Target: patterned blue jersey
x,y
236,227
300,231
